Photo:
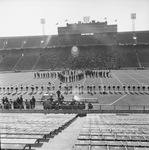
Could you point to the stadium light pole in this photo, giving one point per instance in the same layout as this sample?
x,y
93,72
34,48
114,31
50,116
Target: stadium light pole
x,y
135,40
42,21
133,18
0,142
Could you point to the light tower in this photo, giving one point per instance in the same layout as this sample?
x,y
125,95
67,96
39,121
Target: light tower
x,y
133,17
42,21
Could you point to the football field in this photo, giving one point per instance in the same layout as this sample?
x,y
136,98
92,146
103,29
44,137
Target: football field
x,y
110,99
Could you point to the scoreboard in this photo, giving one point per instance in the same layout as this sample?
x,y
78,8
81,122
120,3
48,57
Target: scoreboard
x,y
87,28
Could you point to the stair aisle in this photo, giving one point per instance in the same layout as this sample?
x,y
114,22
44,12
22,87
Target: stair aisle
x,y
66,139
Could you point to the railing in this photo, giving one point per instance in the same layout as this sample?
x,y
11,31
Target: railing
x,y
121,107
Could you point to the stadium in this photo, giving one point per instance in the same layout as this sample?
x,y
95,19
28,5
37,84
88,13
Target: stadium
x,y
84,88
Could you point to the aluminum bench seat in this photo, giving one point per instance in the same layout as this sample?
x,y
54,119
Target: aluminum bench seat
x,y
13,146
98,147
81,147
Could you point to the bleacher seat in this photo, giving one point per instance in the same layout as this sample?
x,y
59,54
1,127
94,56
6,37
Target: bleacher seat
x,y
29,130
115,132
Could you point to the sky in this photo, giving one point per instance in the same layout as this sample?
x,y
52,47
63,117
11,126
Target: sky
x,y
22,17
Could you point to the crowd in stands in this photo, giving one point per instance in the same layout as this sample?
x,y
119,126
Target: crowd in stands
x,y
89,57
59,58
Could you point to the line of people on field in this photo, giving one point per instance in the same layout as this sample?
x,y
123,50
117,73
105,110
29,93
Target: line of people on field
x,y
69,88
91,89
98,73
45,75
25,88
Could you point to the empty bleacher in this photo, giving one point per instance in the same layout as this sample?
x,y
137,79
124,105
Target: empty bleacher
x,y
8,63
119,38
28,59
20,131
143,53
68,40
142,37
3,41
104,39
86,40
125,38
111,131
52,40
32,42
14,43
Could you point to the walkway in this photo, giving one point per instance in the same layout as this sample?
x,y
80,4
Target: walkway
x,y
66,139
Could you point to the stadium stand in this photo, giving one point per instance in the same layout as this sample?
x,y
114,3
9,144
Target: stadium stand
x,y
47,61
52,40
28,59
104,39
68,40
14,43
32,42
113,132
50,59
125,38
20,130
126,56
56,53
86,40
142,37
2,43
122,56
8,63
143,54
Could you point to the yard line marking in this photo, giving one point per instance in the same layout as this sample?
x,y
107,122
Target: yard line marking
x,y
118,99
84,81
143,75
101,84
21,82
132,77
119,80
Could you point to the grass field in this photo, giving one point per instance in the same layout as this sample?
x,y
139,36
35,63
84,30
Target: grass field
x,y
119,77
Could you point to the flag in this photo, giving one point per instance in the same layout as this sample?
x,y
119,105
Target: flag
x,y
66,20
115,20
106,18
56,24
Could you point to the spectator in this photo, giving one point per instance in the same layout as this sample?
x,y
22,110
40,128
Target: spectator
x,y
27,104
58,93
33,101
90,106
20,102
